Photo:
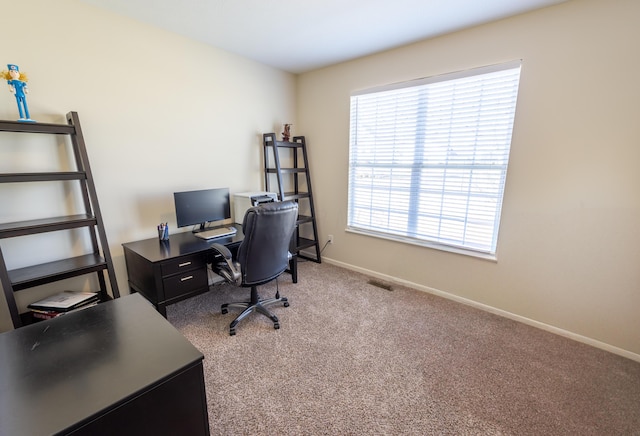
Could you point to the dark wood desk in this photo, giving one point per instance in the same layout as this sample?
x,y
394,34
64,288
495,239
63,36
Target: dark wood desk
x,y
117,368
166,272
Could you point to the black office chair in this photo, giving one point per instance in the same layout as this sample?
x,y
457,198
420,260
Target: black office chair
x,y
262,256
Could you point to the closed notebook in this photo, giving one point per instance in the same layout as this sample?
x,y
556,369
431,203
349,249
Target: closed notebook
x,y
64,301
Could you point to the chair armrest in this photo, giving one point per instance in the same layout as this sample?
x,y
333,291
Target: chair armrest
x,y
222,250
228,269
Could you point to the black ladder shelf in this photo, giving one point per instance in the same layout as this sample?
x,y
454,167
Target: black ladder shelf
x,y
295,179
98,261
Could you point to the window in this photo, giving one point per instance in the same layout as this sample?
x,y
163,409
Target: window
x,y
428,158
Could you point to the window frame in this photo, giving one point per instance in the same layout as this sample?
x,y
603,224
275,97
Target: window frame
x,y
487,251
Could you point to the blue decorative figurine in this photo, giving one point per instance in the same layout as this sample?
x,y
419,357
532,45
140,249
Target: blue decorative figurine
x,y
18,86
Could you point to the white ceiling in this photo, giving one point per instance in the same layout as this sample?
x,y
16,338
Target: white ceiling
x,y
301,35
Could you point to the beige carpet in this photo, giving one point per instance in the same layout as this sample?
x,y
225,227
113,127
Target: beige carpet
x,y
352,358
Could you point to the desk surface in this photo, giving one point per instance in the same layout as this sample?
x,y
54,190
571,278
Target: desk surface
x,y
56,373
180,244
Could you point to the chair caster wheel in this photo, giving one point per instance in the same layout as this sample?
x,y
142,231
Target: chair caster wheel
x,y
224,311
232,332
276,325
286,304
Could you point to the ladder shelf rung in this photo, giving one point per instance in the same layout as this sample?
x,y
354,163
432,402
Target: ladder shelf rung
x,y
304,219
42,177
50,272
310,257
286,170
303,243
22,127
23,228
283,144
294,196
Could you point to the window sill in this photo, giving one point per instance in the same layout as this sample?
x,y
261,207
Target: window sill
x,y
433,245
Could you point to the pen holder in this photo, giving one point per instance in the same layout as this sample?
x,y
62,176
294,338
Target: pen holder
x,y
163,232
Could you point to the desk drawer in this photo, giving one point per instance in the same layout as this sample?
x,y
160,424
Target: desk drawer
x,y
178,285
186,263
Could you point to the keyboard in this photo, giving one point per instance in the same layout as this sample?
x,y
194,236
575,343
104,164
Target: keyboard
x,y
216,233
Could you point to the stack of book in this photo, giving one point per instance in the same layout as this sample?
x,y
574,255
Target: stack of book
x,y
62,303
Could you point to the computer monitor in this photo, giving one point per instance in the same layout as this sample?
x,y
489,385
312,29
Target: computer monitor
x,y
200,207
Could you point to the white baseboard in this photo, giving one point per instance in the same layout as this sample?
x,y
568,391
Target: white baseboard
x,y
491,309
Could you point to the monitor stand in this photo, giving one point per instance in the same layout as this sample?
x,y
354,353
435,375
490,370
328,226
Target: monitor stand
x,y
202,228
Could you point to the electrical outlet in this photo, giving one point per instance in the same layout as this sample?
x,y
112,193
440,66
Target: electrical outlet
x,y
330,237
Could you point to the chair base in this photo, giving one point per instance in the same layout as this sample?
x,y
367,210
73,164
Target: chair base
x,y
255,305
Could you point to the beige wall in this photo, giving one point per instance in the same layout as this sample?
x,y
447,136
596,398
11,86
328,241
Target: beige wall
x,y
160,113
569,242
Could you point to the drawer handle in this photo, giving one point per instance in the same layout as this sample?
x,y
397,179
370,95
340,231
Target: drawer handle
x,y
184,279
184,264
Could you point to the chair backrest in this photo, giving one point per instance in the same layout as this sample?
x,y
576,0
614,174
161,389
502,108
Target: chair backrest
x,y
264,252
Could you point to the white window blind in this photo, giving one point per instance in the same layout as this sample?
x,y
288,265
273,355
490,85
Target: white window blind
x,y
428,159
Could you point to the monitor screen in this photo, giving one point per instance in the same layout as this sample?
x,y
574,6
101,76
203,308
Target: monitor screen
x,y
201,207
